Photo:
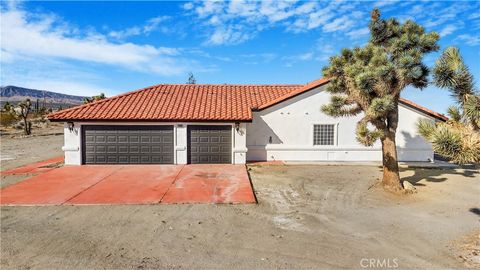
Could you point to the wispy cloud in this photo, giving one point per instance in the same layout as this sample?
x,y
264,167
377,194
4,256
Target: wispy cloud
x,y
152,24
469,39
447,30
358,33
234,22
46,35
53,75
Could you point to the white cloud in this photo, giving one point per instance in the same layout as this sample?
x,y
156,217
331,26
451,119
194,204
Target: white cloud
x,y
341,23
224,35
469,39
53,75
237,21
305,56
447,30
153,24
474,15
358,33
45,35
292,59
384,3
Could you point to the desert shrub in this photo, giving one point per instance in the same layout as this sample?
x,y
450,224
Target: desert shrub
x,y
7,119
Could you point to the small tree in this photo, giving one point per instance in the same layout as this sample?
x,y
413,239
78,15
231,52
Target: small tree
x,y
87,100
22,111
458,138
7,107
191,79
369,80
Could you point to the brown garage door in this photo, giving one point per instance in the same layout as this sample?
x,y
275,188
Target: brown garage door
x,y
127,144
209,144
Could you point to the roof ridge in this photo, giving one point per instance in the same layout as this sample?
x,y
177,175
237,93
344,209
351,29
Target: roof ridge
x,y
424,109
230,84
300,90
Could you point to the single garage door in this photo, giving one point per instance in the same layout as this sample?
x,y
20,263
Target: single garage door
x,y
209,144
127,144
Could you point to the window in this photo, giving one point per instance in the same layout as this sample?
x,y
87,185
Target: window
x,y
324,134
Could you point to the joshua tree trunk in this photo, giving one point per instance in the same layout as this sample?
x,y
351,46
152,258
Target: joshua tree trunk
x,y
26,126
391,177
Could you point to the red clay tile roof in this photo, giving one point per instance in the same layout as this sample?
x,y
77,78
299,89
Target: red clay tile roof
x,y
296,92
194,102
180,102
426,111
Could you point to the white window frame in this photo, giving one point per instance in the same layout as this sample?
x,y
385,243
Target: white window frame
x,y
335,134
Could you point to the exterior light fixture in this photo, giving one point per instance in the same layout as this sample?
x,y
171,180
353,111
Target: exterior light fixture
x,y
70,125
237,126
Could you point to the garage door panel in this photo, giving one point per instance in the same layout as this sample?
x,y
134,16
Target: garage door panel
x,y
209,144
133,139
111,139
100,138
112,149
122,138
128,144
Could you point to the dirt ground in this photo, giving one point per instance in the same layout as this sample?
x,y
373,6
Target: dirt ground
x,y
18,150
320,217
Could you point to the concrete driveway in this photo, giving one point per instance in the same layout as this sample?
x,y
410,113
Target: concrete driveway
x,y
133,184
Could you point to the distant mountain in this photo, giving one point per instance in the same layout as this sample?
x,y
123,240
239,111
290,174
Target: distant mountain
x,y
14,94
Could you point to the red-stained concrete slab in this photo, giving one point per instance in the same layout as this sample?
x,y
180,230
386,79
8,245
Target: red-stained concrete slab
x,y
35,167
55,186
131,184
222,183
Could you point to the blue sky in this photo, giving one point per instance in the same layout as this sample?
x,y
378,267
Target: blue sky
x,y
85,48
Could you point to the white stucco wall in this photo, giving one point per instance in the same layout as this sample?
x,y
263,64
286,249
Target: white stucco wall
x,y
73,140
290,126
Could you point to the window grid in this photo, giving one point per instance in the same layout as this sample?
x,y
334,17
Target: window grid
x,y
324,134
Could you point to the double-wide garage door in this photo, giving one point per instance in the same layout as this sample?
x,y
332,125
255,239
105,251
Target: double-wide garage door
x,y
154,144
128,144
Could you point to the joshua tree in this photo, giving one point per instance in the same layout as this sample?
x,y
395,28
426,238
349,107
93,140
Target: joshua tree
x,y
22,111
191,79
369,80
458,138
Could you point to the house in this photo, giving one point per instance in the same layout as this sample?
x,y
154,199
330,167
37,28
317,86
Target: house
x,y
194,123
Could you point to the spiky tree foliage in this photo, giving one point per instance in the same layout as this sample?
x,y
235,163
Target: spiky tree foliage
x,y
458,138
451,72
369,80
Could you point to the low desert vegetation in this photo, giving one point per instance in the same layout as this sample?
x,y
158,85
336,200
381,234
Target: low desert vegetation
x,y
458,138
23,116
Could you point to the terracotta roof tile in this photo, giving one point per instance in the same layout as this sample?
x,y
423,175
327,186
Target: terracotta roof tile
x,y
423,109
180,102
194,102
